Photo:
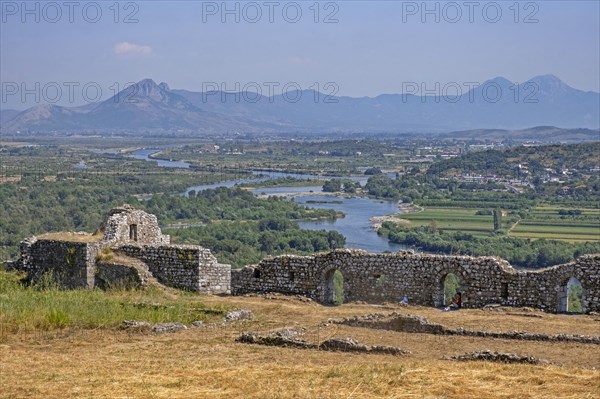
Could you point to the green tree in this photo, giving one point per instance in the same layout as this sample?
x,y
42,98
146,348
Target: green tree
x,y
332,186
497,219
434,226
373,171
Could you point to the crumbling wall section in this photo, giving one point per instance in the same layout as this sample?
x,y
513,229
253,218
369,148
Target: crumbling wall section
x,y
378,278
71,264
187,267
546,288
128,225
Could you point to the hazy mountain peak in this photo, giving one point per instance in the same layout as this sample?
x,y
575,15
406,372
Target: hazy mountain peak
x,y
550,85
147,87
500,80
147,90
147,81
548,78
45,110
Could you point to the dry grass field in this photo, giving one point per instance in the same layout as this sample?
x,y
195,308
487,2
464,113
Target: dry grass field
x,y
206,362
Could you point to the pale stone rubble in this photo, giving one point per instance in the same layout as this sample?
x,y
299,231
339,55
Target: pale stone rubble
x,y
289,338
500,357
170,327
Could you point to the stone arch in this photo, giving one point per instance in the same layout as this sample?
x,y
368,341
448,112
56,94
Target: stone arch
x,y
328,292
565,289
439,299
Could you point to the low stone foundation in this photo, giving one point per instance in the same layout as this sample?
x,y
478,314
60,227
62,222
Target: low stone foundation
x,y
288,338
499,357
419,324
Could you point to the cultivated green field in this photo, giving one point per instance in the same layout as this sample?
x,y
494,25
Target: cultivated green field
x,y
546,222
541,222
453,219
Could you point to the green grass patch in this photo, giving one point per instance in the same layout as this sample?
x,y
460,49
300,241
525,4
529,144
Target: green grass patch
x,y
45,307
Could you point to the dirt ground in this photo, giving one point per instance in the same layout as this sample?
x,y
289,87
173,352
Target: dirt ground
x,y
206,362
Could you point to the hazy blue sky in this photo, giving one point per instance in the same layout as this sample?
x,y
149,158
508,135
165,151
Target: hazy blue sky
x,y
373,47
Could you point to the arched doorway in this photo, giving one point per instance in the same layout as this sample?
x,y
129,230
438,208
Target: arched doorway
x,y
333,291
571,296
451,287
448,286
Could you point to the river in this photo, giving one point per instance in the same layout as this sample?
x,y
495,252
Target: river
x,y
356,226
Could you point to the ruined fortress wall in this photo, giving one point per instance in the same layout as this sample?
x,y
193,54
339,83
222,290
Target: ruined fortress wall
x,y
547,288
117,227
187,267
377,278
286,274
215,278
72,263
114,274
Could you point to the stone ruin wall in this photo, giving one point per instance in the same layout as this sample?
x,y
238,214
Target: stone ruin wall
x,y
484,280
77,264
119,221
71,263
187,267
547,288
373,278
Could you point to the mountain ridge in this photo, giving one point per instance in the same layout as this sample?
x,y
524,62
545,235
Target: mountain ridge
x,y
497,104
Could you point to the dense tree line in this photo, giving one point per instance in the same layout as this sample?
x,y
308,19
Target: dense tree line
x,y
228,204
430,190
34,206
341,185
242,243
521,252
433,191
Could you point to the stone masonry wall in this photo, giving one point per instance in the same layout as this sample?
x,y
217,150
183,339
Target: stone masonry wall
x,y
119,223
137,234
113,274
546,288
187,267
71,263
377,278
